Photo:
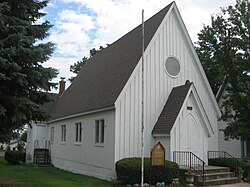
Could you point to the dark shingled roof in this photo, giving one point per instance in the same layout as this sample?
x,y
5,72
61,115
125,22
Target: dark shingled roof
x,y
171,109
49,106
103,76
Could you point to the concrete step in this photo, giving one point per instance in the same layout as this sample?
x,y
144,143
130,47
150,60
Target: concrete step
x,y
216,176
216,169
45,165
219,175
221,181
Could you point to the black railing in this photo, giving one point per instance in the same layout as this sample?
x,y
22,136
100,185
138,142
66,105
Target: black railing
x,y
47,144
191,161
36,144
224,154
42,154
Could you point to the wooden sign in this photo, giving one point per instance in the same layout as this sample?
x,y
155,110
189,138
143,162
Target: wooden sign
x,y
158,155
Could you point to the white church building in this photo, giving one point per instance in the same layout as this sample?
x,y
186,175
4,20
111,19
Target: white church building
x,y
97,120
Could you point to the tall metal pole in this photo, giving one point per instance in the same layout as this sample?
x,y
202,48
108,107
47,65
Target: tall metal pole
x,y
142,104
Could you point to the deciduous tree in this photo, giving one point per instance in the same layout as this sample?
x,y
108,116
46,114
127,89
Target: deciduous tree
x,y
224,50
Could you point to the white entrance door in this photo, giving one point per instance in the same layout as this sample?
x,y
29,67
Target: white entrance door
x,y
190,139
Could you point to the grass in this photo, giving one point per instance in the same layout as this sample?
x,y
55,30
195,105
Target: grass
x,y
27,176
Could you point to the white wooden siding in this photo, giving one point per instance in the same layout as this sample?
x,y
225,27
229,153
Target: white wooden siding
x,y
179,132
39,132
232,146
85,157
169,40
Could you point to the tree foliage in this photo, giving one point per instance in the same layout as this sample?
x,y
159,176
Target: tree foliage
x,y
24,82
76,67
224,49
23,136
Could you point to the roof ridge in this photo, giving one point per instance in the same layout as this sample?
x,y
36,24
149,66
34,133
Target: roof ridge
x,y
103,77
128,33
152,17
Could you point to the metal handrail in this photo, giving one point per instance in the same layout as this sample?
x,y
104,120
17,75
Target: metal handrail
x,y
47,144
36,144
190,160
224,154
46,150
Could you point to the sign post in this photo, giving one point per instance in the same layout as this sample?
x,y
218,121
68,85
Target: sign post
x,y
157,157
142,105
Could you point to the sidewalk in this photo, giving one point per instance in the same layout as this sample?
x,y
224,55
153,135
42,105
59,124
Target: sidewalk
x,y
243,184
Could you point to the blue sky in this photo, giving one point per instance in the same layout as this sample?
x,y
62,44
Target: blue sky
x,y
80,25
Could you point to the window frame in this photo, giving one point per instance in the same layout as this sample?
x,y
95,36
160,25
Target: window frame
x,y
165,66
63,133
78,132
99,132
52,135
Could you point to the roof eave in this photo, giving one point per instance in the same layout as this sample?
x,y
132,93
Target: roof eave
x,y
82,113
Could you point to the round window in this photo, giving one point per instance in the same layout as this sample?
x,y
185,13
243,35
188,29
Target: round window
x,y
172,66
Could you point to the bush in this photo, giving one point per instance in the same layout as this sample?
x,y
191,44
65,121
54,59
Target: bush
x,y
128,171
244,164
20,146
8,148
14,157
229,162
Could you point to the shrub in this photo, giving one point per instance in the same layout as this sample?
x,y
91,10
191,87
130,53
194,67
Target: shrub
x,y
20,146
229,162
128,171
244,164
8,148
14,157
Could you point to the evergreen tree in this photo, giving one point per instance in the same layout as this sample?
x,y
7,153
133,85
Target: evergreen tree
x,y
24,82
224,50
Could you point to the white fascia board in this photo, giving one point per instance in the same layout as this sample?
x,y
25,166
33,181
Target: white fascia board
x,y
138,66
200,108
41,123
197,61
182,107
82,114
161,135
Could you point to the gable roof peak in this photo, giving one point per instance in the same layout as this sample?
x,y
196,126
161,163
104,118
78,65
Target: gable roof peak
x,y
103,77
171,109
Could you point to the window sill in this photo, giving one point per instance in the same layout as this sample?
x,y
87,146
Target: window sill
x,y
99,145
78,144
63,143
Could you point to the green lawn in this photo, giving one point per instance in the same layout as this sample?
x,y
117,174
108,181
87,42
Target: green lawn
x,y
25,176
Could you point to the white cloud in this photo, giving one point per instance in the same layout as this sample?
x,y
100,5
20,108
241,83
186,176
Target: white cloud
x,y
104,21
84,21
115,18
71,33
195,13
63,65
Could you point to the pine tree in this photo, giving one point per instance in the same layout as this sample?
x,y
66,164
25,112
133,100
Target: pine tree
x,y
24,82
